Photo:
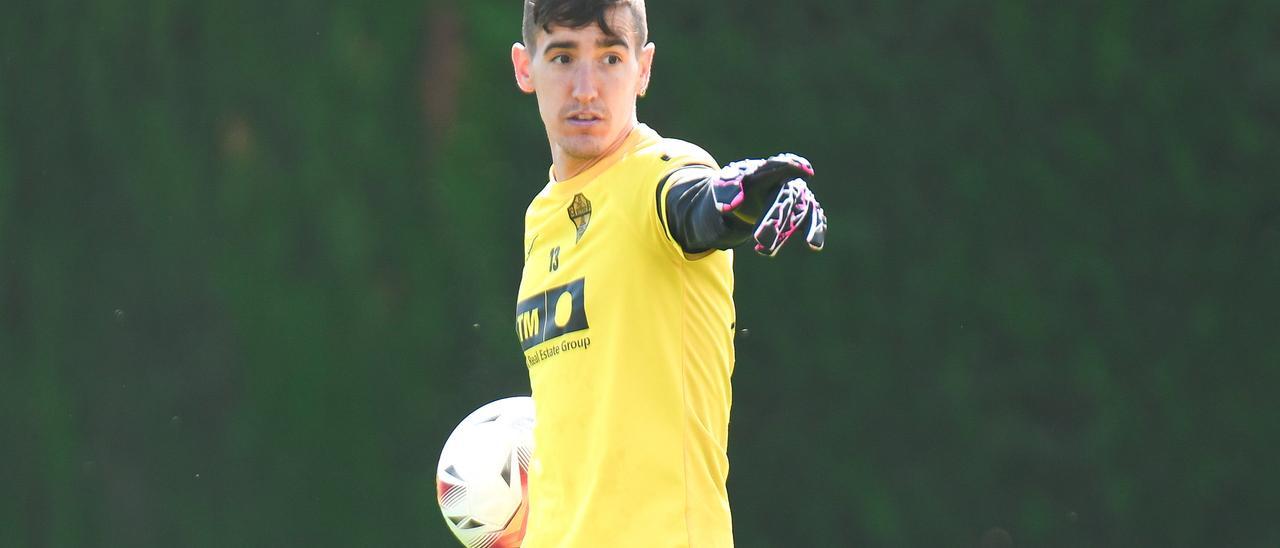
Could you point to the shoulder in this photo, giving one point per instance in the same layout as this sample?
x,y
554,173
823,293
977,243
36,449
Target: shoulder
x,y
540,201
670,154
666,154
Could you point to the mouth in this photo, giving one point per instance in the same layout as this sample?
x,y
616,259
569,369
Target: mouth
x,y
584,119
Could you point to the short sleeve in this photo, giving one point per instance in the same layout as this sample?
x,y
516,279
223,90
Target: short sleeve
x,y
674,156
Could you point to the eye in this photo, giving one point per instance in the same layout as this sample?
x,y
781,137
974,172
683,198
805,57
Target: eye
x,y
612,59
561,59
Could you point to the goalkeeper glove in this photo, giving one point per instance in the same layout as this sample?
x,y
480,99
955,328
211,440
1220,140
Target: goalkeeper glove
x,y
771,195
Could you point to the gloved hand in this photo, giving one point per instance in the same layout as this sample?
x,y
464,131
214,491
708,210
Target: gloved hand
x,y
770,195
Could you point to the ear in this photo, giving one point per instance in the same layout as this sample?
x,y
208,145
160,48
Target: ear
x,y
521,61
646,67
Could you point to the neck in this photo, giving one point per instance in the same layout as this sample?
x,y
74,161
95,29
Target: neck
x,y
567,167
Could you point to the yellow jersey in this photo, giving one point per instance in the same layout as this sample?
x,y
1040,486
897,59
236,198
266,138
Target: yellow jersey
x,y
629,348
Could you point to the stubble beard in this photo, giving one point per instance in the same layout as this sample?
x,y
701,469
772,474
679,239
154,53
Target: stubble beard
x,y
585,149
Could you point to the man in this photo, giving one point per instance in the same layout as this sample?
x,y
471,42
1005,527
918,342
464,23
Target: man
x,y
625,309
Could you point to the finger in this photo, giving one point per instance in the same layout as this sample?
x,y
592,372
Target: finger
x,y
802,198
785,216
799,162
780,168
769,235
772,231
817,235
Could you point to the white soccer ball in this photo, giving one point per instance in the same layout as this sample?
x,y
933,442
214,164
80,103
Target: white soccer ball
x,y
482,479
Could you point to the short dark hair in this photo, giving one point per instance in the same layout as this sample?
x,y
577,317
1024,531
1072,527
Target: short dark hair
x,y
576,14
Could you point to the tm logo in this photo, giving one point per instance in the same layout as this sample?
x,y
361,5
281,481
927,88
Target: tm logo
x,y
557,311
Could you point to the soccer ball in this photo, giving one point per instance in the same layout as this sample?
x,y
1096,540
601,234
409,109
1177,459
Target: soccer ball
x,y
482,480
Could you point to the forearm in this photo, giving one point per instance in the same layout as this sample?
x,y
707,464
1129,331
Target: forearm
x,y
693,218
762,200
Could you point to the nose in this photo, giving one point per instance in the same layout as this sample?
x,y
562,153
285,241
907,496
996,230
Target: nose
x,y
585,86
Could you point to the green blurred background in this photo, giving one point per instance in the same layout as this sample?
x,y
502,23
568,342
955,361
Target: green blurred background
x,y
257,259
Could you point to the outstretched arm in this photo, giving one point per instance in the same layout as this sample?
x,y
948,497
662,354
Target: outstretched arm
x,y
761,199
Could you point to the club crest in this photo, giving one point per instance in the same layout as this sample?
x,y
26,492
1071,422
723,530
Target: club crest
x,y
580,214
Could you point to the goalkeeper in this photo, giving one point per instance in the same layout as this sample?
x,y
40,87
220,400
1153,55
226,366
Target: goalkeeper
x,y
625,308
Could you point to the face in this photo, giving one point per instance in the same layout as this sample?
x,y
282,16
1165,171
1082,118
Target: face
x,y
586,82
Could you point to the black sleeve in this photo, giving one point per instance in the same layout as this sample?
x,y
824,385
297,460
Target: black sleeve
x,y
691,215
